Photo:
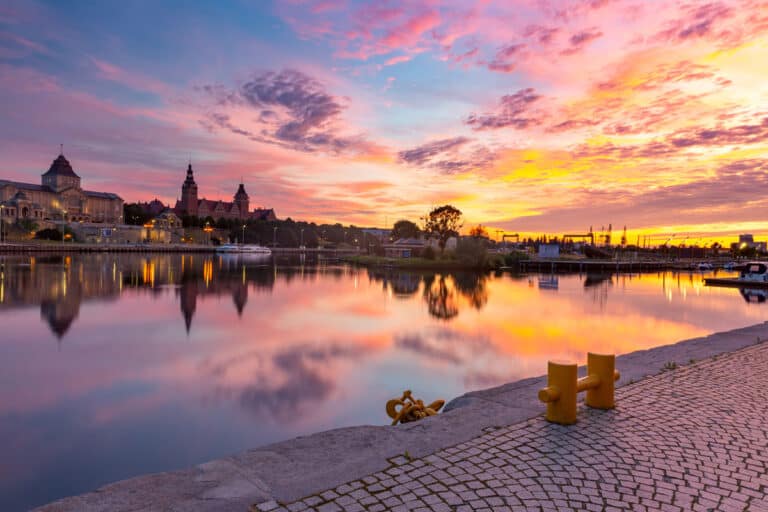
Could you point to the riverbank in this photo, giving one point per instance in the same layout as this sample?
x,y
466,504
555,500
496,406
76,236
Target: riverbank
x,y
77,247
291,470
494,262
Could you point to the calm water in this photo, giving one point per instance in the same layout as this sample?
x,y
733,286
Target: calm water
x,y
117,365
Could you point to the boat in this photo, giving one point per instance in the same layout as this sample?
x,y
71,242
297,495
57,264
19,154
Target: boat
x,y
754,273
244,249
704,267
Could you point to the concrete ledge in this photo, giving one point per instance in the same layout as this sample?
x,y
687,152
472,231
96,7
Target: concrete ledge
x,y
307,465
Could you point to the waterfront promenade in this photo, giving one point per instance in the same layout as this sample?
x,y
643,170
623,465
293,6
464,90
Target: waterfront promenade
x,y
690,436
693,438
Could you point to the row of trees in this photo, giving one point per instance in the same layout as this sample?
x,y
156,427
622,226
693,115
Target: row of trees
x,y
290,233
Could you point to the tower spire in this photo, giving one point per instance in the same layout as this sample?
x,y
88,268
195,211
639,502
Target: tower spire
x,y
61,149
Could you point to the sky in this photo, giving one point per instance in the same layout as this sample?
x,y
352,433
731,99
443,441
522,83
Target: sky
x,y
531,116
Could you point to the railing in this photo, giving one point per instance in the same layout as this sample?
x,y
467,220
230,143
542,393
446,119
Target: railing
x,y
563,385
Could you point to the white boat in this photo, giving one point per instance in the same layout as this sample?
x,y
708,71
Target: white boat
x,y
754,272
704,267
244,249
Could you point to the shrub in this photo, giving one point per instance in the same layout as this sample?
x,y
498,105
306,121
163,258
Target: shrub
x,y
472,252
49,234
429,253
513,258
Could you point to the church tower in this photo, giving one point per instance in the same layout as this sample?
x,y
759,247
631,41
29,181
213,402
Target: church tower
x,y
242,201
189,194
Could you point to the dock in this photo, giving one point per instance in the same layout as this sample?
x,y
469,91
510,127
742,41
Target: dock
x,y
735,283
557,266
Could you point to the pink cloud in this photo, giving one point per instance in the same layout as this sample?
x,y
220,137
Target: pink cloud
x,y
411,31
397,60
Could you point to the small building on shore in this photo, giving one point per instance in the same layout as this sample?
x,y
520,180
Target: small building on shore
x,y
405,248
549,250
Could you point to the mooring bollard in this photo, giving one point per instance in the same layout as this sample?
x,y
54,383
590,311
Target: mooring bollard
x,y
563,384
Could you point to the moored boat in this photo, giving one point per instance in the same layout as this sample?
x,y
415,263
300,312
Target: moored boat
x,y
752,274
243,248
754,271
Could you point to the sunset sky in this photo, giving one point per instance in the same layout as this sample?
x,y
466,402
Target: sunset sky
x,y
532,116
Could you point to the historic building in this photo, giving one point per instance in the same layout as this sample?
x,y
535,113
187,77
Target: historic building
x,y
58,197
239,208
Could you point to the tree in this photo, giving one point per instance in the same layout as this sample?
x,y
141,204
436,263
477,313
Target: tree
x,y
443,222
405,229
134,214
472,252
49,234
478,231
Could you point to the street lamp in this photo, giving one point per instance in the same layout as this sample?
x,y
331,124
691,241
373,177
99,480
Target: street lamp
x,y
274,237
148,226
208,229
2,222
243,234
301,244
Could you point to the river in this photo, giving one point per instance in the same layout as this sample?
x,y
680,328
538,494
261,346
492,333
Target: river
x,y
115,365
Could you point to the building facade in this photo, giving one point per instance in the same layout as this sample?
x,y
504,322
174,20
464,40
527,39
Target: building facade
x,y
191,205
59,196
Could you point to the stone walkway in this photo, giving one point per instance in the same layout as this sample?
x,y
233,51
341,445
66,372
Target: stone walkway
x,y
692,438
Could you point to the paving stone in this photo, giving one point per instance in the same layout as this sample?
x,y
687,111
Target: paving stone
x,y
693,438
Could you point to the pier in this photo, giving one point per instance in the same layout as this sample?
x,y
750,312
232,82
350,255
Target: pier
x,y
562,265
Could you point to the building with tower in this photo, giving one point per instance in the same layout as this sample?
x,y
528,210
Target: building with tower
x,y
59,196
239,209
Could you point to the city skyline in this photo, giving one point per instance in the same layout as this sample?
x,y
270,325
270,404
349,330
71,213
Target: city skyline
x,y
537,116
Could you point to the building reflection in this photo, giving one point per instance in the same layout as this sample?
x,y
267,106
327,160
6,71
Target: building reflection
x,y
61,284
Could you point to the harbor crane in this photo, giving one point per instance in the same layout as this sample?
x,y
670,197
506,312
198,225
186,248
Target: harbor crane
x,y
572,237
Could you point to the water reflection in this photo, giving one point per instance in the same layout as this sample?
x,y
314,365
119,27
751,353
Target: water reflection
x,y
58,284
439,291
754,295
172,360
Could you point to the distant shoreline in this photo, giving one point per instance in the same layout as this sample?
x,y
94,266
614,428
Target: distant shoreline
x,y
64,247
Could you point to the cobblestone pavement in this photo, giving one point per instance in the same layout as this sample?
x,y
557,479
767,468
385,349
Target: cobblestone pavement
x,y
692,438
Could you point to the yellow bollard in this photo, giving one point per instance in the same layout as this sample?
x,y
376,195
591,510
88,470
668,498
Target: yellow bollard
x,y
560,393
602,368
563,385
